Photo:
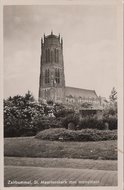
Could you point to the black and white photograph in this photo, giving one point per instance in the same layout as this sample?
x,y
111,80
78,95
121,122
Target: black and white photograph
x,y
61,94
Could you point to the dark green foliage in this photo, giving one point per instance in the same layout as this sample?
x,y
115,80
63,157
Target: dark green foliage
x,y
19,115
61,111
50,102
111,108
93,123
86,105
46,123
113,95
23,116
80,135
73,118
112,122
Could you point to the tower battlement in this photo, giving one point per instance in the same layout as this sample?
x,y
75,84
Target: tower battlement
x,y
51,40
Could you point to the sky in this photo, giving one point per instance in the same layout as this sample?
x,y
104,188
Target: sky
x,y
89,41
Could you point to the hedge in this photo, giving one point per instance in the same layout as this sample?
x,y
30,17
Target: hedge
x,y
80,135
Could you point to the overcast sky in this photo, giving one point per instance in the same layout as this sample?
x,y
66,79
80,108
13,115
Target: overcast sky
x,y
89,35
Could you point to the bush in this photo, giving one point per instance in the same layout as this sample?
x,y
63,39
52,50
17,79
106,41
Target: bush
x,y
73,118
19,114
93,123
23,116
81,135
45,123
112,122
61,111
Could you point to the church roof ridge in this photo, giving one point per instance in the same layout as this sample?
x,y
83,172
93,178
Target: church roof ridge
x,y
80,88
81,92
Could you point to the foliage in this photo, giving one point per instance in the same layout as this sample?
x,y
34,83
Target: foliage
x,y
112,122
110,114
110,110
19,114
80,135
61,111
113,103
23,116
93,123
50,102
86,105
113,95
42,123
73,118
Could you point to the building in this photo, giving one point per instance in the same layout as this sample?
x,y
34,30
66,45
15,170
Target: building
x,y
52,77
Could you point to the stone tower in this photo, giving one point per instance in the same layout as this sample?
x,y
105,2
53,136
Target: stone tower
x,y
52,79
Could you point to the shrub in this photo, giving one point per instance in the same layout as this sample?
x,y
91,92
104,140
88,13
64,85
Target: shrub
x,y
81,135
112,122
19,114
73,118
91,123
61,111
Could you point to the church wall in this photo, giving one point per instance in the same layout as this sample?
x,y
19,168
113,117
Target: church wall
x,y
52,87
52,79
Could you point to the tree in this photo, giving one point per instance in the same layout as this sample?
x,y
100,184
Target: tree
x,y
20,113
111,108
113,95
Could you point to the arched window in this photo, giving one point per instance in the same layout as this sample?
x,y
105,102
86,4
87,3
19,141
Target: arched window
x,y
47,76
51,55
48,55
57,76
55,55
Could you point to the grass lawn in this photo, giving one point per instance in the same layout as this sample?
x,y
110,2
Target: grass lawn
x,y
32,147
110,165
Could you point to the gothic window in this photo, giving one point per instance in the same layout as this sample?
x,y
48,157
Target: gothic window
x,y
57,76
55,55
48,55
51,56
47,77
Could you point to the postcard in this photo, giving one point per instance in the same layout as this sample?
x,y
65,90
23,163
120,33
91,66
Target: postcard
x,y
62,94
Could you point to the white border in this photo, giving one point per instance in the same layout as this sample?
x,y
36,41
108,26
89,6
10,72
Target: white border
x,y
119,4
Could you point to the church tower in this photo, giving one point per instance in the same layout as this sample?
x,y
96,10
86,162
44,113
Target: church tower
x,y
52,79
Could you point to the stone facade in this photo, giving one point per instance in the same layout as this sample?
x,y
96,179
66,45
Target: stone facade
x,y
52,78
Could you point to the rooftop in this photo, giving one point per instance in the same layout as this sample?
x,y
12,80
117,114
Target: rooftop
x,y
80,92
